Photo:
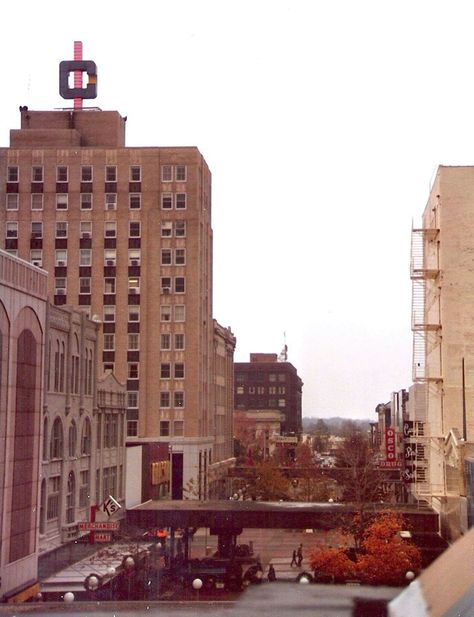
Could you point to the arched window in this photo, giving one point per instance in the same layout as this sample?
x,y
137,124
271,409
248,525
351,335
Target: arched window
x,y
75,367
42,521
72,441
56,444
86,437
62,367
89,372
56,367
70,498
45,439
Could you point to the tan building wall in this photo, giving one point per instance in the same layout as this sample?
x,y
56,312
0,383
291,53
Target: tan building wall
x,y
125,233
447,331
22,340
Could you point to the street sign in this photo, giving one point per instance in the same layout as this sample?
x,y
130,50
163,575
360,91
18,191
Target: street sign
x,y
99,526
110,506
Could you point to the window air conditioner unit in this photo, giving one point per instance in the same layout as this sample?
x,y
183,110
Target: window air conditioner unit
x,y
60,292
133,290
35,235
166,290
134,262
37,263
61,263
85,235
110,262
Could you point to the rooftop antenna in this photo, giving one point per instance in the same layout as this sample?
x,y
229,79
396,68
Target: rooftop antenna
x,y
283,357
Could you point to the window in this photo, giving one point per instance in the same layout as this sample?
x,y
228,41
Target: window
x,y
135,173
85,257
179,342
180,201
12,201
180,229
132,399
166,259
72,439
108,366
86,173
166,284
179,284
134,229
166,229
61,258
110,257
165,399
165,313
86,201
37,230
180,257
109,313
178,428
12,174
52,510
240,390
36,174
84,488
86,438
133,313
272,390
281,390
56,443
37,201
135,201
166,173
86,229
12,230
111,173
61,173
85,285
133,285
133,342
132,370
179,370
134,257
60,287
166,201
61,201
179,399
109,342
180,173
179,312
36,257
165,370
132,428
109,285
165,339
281,377
281,402
272,377
164,428
61,229
111,201
110,229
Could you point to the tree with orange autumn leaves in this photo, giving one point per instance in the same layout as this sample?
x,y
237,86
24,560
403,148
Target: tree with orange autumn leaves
x,y
383,558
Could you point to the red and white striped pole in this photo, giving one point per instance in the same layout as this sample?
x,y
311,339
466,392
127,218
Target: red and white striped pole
x,y
77,74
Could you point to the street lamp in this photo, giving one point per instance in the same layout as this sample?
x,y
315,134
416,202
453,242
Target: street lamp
x,y
111,573
68,597
197,586
128,562
92,583
304,580
410,576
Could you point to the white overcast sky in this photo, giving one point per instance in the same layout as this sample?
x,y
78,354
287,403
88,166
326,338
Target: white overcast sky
x,y
323,123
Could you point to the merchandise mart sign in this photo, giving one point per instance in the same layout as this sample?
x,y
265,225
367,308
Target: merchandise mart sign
x,y
99,526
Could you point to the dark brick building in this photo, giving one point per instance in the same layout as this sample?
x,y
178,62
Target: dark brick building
x,y
267,383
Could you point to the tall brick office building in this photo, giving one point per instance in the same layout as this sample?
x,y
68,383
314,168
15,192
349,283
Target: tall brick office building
x,y
125,234
266,383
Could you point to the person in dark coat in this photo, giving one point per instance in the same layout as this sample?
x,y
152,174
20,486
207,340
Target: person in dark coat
x,y
293,559
300,555
271,574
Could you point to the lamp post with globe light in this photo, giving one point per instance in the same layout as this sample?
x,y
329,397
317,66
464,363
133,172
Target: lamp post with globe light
x,y
128,563
92,584
197,586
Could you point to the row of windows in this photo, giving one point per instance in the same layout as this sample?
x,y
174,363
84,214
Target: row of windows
x,y
53,448
169,257
167,398
169,284
262,404
168,173
259,376
178,428
261,390
57,369
178,201
110,229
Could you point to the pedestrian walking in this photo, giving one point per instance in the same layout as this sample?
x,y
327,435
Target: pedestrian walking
x,y
293,559
271,574
300,555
